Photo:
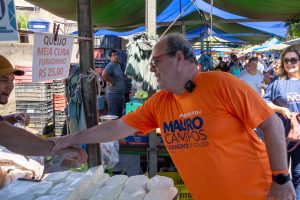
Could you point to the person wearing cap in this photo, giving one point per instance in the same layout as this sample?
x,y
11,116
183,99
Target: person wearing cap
x,y
206,121
7,76
19,140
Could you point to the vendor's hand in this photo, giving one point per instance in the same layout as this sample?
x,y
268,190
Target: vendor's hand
x,y
61,143
74,156
286,113
282,192
24,118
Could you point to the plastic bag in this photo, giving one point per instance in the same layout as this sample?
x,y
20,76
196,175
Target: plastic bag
x,y
110,154
16,166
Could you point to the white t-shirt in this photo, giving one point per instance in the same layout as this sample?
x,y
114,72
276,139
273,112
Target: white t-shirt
x,y
253,80
260,67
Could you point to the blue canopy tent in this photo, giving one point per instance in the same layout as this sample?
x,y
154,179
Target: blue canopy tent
x,y
193,33
268,44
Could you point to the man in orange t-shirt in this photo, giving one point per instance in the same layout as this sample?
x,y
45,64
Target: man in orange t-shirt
x,y
207,122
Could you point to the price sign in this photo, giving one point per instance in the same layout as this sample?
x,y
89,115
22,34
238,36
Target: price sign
x,y
51,58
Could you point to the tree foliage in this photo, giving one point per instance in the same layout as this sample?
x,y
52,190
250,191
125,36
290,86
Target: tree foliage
x,y
294,28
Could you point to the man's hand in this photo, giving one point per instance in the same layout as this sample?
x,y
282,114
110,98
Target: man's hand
x,y
23,117
74,156
282,192
61,142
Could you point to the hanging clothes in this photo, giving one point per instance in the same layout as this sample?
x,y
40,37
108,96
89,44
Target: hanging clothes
x,y
76,115
139,53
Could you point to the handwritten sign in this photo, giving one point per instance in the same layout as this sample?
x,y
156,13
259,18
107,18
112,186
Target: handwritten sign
x,y
51,58
8,23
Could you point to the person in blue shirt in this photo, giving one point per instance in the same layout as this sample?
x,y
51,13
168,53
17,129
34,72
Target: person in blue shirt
x,y
283,96
235,67
205,61
115,88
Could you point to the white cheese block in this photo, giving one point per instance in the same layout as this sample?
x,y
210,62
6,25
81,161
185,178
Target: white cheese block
x,y
41,189
161,194
116,180
51,197
108,192
139,180
18,190
60,188
73,176
160,182
132,192
56,177
68,194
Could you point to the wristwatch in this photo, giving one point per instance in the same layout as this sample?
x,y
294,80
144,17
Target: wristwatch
x,y
281,178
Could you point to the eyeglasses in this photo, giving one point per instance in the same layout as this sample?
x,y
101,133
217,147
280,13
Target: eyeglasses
x,y
154,61
292,60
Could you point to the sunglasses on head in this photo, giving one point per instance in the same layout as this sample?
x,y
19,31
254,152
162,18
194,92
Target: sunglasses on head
x,y
292,60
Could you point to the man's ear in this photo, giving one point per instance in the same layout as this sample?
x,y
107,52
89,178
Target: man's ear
x,y
180,56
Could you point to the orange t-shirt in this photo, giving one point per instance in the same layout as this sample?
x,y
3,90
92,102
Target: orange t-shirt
x,y
209,135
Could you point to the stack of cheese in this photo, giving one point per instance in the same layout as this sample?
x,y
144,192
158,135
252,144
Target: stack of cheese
x,y
91,185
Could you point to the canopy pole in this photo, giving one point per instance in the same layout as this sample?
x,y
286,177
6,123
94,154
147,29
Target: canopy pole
x,y
88,88
151,17
151,29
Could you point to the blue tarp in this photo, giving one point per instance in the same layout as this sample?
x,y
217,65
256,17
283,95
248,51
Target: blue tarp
x,y
274,28
173,11
127,33
267,44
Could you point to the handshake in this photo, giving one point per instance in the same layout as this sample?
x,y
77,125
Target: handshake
x,y
72,155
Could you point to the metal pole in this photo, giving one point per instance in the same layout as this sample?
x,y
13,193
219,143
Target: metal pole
x,y
88,89
151,29
150,16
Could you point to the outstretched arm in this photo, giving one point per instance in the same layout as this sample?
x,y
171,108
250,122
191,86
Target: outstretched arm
x,y
23,142
108,131
14,118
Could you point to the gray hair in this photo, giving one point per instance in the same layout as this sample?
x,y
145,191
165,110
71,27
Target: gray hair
x,y
176,42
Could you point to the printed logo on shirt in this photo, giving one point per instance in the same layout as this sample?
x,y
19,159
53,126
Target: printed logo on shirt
x,y
293,98
185,133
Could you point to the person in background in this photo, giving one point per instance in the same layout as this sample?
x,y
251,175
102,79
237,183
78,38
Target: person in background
x,y
272,72
17,139
235,66
282,95
261,65
205,61
207,127
115,88
221,65
252,76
